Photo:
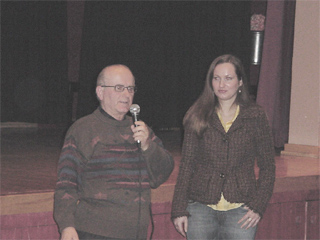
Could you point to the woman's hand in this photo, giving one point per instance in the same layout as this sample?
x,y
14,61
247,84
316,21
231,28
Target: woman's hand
x,y
181,224
250,219
69,233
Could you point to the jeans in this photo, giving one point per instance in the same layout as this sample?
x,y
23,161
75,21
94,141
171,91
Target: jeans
x,y
207,223
89,236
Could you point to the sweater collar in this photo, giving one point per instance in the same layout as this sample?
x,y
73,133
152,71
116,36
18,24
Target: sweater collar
x,y
104,113
105,117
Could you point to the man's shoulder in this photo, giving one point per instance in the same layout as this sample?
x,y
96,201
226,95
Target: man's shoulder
x,y
85,119
84,122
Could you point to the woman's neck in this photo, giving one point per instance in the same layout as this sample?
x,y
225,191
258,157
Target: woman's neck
x,y
227,111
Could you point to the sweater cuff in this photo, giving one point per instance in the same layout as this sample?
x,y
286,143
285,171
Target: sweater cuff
x,y
151,149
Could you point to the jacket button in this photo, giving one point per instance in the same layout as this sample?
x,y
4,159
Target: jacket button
x,y
222,175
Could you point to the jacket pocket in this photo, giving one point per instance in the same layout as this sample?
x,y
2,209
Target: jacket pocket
x,y
246,182
200,181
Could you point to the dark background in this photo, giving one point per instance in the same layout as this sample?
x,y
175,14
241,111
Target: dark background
x,y
168,45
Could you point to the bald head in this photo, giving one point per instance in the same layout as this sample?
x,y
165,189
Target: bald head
x,y
110,72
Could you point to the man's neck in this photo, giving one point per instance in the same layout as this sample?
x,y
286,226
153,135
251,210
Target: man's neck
x,y
108,115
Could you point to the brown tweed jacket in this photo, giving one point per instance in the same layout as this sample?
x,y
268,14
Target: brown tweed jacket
x,y
224,162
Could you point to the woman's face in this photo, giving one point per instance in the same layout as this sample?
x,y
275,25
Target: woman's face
x,y
225,82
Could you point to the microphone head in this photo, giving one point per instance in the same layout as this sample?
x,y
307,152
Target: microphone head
x,y
135,108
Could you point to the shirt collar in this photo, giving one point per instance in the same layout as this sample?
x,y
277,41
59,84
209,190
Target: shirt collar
x,y
104,113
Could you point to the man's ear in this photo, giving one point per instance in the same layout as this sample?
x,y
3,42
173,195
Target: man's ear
x,y
99,92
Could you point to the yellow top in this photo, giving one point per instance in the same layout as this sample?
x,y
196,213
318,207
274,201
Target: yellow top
x,y
223,204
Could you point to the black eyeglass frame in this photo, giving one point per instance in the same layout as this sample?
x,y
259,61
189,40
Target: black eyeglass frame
x,y
120,88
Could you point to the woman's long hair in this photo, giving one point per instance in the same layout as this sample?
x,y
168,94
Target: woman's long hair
x,y
203,109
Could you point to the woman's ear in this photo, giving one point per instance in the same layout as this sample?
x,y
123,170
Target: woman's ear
x,y
240,83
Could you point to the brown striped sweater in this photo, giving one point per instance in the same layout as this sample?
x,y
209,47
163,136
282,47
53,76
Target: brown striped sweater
x,y
103,178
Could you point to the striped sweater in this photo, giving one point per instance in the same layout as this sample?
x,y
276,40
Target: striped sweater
x,y
104,179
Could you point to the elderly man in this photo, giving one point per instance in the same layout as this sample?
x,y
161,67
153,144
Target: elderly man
x,y
104,176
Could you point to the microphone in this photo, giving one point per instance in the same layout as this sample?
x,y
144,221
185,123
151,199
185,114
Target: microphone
x,y
135,110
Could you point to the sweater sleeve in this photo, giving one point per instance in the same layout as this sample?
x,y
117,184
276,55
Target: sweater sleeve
x,y
189,152
266,164
159,162
66,193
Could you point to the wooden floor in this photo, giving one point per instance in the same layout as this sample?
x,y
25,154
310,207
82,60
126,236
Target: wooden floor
x,y
29,157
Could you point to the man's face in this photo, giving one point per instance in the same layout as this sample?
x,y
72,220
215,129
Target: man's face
x,y
117,104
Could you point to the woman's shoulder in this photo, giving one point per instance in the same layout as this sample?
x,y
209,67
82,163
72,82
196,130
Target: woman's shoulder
x,y
251,110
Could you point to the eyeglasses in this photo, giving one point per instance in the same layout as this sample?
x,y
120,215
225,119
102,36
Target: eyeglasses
x,y
120,88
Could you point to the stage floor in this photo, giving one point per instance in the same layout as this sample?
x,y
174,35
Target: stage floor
x,y
29,158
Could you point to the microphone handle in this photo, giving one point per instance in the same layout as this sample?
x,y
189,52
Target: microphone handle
x,y
135,117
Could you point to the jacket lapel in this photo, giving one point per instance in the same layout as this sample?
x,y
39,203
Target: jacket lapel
x,y
216,124
245,112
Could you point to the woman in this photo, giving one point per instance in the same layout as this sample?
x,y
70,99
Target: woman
x,y
217,195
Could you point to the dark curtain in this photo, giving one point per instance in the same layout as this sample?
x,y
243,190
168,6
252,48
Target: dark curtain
x,y
34,84
168,45
275,77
